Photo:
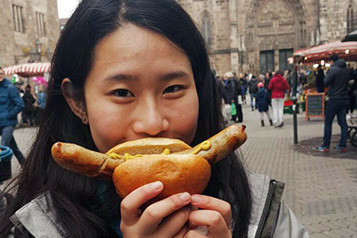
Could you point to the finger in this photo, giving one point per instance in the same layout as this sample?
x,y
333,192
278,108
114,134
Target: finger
x,y
130,205
182,232
155,213
175,222
194,234
213,220
215,204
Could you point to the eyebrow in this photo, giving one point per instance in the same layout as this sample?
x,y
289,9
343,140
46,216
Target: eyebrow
x,y
164,77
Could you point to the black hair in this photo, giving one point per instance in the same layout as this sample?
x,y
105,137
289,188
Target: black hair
x,y
334,57
279,72
75,198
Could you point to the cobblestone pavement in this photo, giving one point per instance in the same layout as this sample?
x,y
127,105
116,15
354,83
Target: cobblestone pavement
x,y
321,190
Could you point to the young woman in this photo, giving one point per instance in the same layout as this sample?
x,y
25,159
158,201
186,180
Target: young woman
x,y
125,70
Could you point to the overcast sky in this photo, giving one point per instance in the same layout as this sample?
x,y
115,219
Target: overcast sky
x,y
66,7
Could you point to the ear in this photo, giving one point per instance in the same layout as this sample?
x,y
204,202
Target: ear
x,y
77,107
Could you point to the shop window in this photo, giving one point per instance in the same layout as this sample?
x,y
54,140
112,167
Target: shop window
x,y
206,29
351,20
18,18
266,61
283,58
40,21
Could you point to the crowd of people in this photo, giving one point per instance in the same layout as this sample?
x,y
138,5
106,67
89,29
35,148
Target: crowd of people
x,y
268,91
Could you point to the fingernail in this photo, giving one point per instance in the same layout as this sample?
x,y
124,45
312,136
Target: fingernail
x,y
185,197
156,186
195,199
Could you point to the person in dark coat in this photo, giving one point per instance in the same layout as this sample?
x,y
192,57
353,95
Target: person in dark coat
x,y
337,79
232,91
244,83
29,100
268,77
263,102
319,79
253,89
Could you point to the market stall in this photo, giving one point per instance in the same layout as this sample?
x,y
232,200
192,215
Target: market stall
x,y
310,58
346,50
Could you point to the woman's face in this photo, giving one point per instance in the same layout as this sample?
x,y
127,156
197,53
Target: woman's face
x,y
140,85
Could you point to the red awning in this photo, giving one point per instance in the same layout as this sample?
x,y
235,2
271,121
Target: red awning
x,y
28,70
346,50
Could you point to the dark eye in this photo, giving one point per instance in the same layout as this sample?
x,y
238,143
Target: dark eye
x,y
173,89
123,93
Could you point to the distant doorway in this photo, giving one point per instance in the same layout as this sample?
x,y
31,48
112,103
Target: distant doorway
x,y
283,58
266,61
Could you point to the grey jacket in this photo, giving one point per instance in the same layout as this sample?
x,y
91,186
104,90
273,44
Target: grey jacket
x,y
270,217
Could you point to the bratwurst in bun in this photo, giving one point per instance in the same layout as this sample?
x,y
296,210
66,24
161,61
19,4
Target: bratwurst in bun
x,y
132,164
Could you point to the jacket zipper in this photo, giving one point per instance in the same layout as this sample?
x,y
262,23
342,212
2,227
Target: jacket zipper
x,y
266,208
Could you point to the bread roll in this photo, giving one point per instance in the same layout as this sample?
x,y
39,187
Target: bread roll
x,y
179,173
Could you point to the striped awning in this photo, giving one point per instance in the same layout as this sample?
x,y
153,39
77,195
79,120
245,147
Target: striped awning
x,y
346,50
28,70
11,70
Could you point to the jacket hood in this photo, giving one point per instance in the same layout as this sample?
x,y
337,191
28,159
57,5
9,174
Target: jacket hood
x,y
279,77
340,63
6,81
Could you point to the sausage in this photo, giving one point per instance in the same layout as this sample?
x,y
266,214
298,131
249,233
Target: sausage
x,y
83,161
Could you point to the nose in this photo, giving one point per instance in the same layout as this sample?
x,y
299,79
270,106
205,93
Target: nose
x,y
150,119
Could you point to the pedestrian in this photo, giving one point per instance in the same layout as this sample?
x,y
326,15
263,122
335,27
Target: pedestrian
x,y
226,108
263,102
352,92
41,100
337,79
233,91
253,89
27,113
268,78
319,79
124,70
10,105
278,86
243,82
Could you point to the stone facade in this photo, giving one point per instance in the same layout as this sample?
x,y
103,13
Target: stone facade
x,y
259,35
22,22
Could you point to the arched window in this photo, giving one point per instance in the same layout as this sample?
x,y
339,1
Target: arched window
x,y
351,24
206,28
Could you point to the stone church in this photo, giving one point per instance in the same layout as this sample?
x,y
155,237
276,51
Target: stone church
x,y
258,36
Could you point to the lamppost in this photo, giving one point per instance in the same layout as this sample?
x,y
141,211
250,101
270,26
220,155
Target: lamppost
x,y
297,60
35,54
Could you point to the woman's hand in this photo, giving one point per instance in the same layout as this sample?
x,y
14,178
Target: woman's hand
x,y
165,218
213,213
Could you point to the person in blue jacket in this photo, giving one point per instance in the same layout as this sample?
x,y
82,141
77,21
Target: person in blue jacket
x,y
10,105
263,101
